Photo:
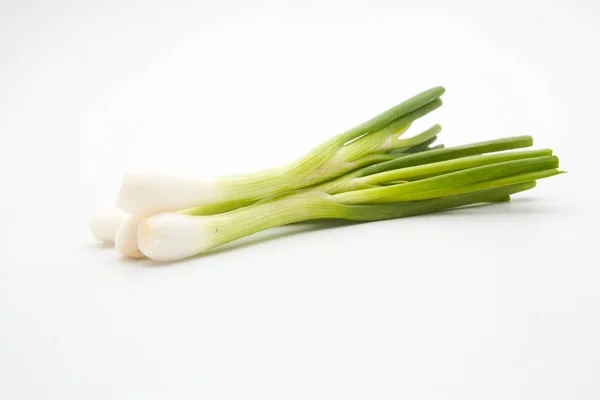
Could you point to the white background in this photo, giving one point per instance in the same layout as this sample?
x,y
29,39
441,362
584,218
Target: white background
x,y
498,302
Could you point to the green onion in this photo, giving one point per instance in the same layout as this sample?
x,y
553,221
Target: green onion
x,y
432,187
148,194
173,236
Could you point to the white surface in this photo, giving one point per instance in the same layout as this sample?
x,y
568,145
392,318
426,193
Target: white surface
x,y
500,302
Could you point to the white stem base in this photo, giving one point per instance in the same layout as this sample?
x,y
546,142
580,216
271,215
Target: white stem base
x,y
104,225
151,194
126,237
171,236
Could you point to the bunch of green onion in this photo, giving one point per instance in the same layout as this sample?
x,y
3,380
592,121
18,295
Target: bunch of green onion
x,y
369,173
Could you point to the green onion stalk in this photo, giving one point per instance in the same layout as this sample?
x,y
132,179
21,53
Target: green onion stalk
x,y
365,144
412,184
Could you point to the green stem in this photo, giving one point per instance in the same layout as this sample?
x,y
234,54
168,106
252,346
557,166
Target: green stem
x,y
406,209
314,168
390,194
418,148
210,209
383,119
371,142
417,140
449,153
225,228
233,225
511,180
433,169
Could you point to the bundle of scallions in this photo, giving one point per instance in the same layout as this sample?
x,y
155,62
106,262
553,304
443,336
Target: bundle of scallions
x,y
368,173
